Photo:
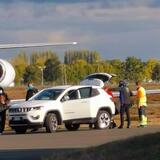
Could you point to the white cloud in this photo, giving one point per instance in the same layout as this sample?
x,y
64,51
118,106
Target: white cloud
x,y
48,12
95,25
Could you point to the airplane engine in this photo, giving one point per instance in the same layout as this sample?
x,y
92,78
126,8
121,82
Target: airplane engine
x,y
7,73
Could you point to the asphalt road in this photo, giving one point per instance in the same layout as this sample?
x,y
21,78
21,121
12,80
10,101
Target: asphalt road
x,y
40,144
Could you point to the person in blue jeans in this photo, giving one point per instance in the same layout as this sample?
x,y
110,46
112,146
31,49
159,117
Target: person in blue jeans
x,y
125,102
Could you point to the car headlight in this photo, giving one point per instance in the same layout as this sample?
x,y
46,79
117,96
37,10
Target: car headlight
x,y
36,108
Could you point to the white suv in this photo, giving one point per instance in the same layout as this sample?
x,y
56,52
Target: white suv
x,y
71,105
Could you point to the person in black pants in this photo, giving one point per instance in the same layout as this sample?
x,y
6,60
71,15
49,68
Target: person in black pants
x,y
4,105
2,120
125,103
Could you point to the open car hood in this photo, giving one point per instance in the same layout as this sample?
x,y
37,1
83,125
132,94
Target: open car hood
x,y
96,79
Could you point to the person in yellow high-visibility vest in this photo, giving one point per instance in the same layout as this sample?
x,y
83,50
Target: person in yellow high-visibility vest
x,y
141,104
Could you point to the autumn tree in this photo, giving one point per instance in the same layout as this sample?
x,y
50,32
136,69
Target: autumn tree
x,y
52,71
20,62
156,72
117,69
32,74
149,66
134,69
77,71
39,58
88,56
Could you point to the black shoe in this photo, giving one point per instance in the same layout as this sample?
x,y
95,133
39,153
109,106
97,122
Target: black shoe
x,y
128,126
90,126
34,130
114,125
120,127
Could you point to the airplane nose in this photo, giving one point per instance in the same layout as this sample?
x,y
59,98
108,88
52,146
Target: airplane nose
x,y
7,73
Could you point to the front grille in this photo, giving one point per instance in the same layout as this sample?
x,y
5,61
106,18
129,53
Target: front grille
x,y
19,110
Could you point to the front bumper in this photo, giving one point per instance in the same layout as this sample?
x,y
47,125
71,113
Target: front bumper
x,y
28,120
24,122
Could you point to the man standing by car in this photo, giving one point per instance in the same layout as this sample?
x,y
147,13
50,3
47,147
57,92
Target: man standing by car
x,y
141,104
125,103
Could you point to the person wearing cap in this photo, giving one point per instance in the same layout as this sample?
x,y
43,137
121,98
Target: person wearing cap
x,y
4,105
125,103
141,104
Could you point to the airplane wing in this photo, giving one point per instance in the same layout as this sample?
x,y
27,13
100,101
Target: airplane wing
x,y
25,45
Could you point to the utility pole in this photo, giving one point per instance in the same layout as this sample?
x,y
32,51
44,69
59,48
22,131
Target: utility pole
x,y
42,77
97,62
64,74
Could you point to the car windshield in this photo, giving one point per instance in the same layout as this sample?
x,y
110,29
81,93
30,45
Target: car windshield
x,y
48,94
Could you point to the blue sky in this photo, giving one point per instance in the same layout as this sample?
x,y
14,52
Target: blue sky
x,y
115,28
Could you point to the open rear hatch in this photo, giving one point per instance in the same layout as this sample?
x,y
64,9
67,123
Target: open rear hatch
x,y
96,79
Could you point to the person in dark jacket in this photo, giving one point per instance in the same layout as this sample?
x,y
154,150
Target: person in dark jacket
x,y
125,103
4,105
31,90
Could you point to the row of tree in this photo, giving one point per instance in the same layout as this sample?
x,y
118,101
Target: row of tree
x,y
46,67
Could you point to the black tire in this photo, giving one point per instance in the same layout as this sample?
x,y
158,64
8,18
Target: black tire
x,y
20,130
51,123
72,127
103,120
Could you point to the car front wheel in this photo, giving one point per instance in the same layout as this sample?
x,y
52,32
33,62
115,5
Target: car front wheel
x,y
103,120
72,127
51,123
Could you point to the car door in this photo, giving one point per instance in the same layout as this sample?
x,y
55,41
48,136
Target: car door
x,y
69,103
84,103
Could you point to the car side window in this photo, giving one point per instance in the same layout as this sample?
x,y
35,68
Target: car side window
x,y
85,92
94,92
71,95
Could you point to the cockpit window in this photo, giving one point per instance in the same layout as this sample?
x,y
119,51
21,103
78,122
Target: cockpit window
x,y
48,94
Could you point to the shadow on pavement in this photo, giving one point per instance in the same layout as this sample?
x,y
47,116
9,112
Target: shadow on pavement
x,y
31,154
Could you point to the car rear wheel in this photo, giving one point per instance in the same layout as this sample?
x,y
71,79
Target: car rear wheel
x,y
72,127
20,130
103,120
51,123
